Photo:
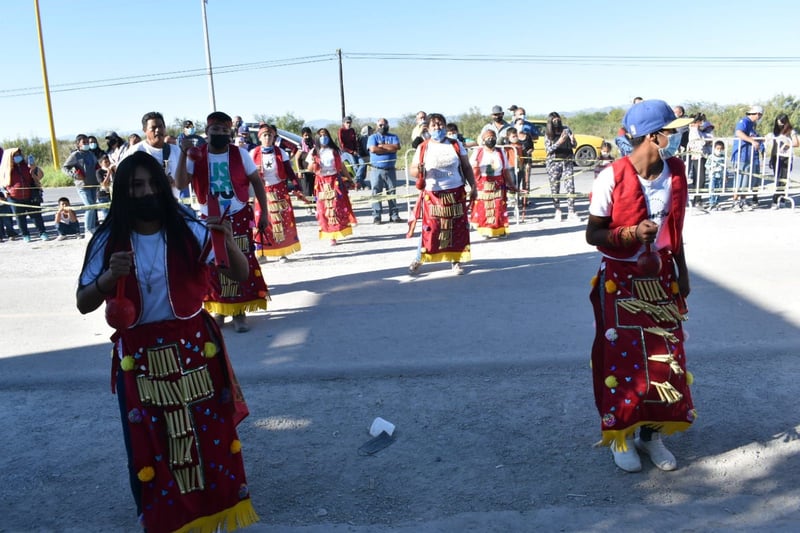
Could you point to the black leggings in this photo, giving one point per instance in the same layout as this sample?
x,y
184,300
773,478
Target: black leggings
x,y
646,433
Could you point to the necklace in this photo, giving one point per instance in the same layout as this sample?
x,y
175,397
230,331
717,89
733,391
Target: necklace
x,y
140,247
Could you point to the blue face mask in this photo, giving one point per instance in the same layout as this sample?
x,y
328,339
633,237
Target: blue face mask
x,y
324,140
18,159
438,135
85,148
189,131
673,144
92,146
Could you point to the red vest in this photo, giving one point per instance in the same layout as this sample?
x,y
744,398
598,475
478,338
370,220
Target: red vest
x,y
186,290
257,155
241,185
630,207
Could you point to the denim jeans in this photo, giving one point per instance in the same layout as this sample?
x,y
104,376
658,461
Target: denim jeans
x,y
68,228
743,180
715,185
89,198
380,179
361,171
23,210
6,221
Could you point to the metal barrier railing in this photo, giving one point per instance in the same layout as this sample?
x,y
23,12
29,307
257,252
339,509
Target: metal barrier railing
x,y
750,175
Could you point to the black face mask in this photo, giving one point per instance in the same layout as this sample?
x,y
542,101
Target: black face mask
x,y
219,140
384,130
490,142
147,208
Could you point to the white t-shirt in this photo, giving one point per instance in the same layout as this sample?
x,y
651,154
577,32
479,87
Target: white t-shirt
x,y
326,161
442,166
269,166
149,257
658,196
219,178
492,162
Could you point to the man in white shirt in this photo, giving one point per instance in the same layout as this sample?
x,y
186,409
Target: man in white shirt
x,y
155,132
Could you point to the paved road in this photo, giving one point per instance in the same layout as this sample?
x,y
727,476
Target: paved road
x,y
484,375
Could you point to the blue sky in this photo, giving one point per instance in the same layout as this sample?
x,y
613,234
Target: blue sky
x,y
90,40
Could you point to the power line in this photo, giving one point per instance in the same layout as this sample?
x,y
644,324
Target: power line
x,y
584,59
574,60
161,76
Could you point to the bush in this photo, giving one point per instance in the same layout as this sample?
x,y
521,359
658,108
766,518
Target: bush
x,y
55,178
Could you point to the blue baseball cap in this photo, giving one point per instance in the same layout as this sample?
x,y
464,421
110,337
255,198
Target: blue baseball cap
x,y
650,116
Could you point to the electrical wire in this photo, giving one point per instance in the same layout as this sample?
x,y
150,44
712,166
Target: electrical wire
x,y
575,60
161,76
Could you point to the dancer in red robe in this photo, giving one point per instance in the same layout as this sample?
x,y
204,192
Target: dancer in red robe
x,y
179,399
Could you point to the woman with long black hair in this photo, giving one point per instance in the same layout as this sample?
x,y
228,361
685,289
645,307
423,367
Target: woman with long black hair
x,y
559,143
179,400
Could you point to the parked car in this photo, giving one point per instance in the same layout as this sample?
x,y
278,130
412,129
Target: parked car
x,y
585,153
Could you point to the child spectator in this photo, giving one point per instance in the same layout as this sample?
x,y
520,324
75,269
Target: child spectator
x,y
455,135
715,173
604,159
105,174
513,153
66,220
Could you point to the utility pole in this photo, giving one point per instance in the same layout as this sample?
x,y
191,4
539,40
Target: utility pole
x,y
208,58
53,143
341,81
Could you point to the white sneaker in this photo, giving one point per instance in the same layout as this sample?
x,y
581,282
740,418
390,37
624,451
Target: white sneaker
x,y
628,461
659,454
413,269
572,216
458,269
557,216
737,207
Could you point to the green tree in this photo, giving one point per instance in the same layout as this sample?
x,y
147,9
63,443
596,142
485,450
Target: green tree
x,y
287,122
470,123
176,128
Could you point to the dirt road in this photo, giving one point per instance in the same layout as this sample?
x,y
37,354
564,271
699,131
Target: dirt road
x,y
485,376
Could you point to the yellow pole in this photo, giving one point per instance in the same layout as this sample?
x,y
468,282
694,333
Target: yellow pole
x,y
53,143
